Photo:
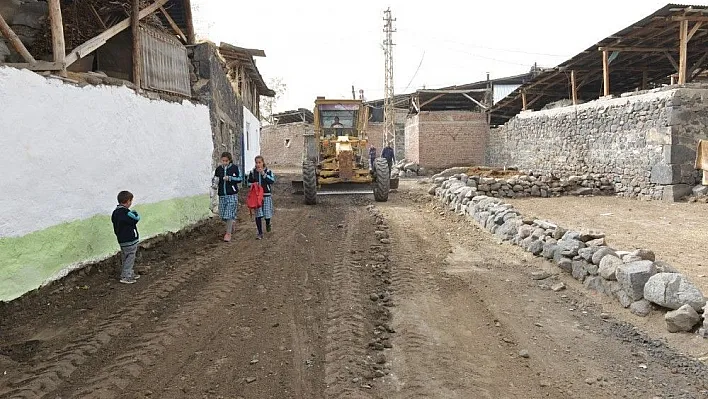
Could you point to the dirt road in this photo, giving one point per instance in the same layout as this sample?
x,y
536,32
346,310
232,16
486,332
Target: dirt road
x,y
341,300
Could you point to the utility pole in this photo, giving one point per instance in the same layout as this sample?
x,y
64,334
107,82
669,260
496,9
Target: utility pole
x,y
389,111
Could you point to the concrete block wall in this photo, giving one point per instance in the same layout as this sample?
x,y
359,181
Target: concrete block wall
x,y
644,143
444,139
284,145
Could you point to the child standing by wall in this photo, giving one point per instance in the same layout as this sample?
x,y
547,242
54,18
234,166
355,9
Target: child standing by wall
x,y
229,176
125,226
265,177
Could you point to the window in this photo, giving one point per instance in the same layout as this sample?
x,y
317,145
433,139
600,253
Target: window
x,y
248,136
287,143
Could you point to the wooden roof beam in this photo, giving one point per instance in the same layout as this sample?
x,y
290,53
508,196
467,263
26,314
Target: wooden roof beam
x,y
191,37
431,100
475,101
15,41
636,49
94,43
174,25
689,18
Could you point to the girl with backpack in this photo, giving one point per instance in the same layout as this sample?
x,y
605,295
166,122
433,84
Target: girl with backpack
x,y
227,176
261,179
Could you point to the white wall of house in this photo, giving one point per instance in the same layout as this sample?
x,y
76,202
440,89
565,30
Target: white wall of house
x,y
66,152
251,139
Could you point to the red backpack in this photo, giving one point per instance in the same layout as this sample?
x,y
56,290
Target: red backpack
x,y
255,196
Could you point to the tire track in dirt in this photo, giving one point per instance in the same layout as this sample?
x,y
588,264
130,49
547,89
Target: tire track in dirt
x,y
429,358
51,372
112,379
346,327
265,306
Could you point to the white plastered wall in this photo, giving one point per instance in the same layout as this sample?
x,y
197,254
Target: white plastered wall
x,y
251,139
66,151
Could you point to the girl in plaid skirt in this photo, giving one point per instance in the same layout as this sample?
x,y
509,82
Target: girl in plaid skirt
x,y
266,178
228,176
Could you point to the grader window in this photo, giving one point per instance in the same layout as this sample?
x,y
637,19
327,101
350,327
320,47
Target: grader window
x,y
337,120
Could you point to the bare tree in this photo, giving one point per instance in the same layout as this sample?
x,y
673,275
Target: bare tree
x,y
268,103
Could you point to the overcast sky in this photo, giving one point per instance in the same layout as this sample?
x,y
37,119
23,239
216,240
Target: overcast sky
x,y
321,47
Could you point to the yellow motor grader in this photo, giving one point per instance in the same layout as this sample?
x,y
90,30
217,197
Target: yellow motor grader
x,y
337,154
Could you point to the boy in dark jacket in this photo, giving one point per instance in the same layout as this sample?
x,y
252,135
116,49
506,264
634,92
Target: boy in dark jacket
x,y
125,226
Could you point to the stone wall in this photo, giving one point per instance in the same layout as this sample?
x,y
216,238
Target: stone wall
x,y
211,86
636,279
443,139
643,143
25,17
283,145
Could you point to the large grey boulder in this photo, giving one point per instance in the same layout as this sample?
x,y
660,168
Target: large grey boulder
x,y
601,253
536,247
682,319
608,267
508,230
570,247
644,254
549,248
640,308
587,253
579,272
673,290
566,265
633,276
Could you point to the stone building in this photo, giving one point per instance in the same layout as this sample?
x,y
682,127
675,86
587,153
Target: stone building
x,y
619,110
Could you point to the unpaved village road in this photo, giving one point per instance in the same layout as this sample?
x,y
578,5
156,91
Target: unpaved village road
x,y
323,309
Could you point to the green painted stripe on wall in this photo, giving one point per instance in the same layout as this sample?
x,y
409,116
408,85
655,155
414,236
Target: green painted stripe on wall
x,y
28,261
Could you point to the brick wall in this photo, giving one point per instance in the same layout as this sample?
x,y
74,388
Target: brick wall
x,y
443,139
284,144
412,131
374,133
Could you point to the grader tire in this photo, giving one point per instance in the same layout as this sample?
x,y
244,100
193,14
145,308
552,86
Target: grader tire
x,y
382,184
309,182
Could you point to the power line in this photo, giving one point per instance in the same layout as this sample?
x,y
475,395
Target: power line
x,y
416,71
505,50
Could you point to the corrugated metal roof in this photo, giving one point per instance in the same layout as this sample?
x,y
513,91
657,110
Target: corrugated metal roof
x,y
655,30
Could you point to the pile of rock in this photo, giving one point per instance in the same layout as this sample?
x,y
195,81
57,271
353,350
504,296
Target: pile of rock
x,y
404,168
523,185
700,194
636,279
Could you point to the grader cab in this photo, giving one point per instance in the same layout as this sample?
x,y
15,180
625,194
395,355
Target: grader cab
x,y
336,157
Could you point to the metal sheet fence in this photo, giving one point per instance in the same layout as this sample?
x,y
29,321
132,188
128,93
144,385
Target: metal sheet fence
x,y
165,63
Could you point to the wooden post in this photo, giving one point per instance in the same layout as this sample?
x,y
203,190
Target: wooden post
x,y
573,88
190,22
523,100
137,55
645,80
15,41
58,46
683,50
605,73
